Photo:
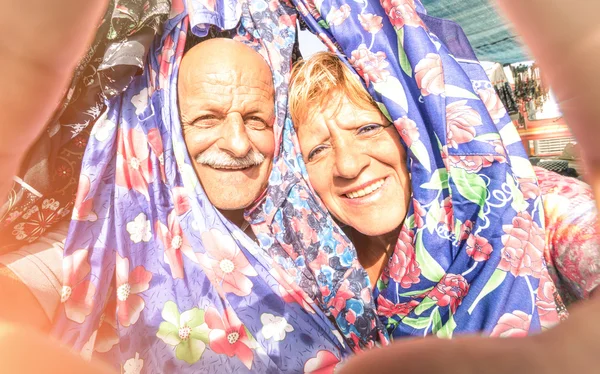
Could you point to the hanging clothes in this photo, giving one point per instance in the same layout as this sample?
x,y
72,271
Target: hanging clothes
x,y
501,84
530,90
50,171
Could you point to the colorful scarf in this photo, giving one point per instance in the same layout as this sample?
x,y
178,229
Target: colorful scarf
x,y
469,257
155,279
572,236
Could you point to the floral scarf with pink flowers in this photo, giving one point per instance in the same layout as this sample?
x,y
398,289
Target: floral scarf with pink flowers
x,y
156,280
469,257
572,233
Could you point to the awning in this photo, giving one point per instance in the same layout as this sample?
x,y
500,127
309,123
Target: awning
x,y
489,34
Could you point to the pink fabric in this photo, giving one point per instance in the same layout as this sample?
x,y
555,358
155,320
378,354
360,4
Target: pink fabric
x,y
572,237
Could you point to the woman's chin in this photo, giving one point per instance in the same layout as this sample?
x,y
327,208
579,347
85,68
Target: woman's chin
x,y
370,227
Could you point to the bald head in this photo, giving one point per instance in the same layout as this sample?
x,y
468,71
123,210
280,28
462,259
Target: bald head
x,y
226,104
218,67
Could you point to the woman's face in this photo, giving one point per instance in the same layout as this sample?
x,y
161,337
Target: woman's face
x,y
356,165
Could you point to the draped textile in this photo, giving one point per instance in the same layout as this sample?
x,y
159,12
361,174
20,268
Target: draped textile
x,y
573,250
155,278
469,255
500,82
50,171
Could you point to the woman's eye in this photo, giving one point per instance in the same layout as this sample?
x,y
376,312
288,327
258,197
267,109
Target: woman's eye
x,y
371,128
315,152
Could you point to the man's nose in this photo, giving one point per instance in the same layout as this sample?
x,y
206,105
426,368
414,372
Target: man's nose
x,y
234,138
350,160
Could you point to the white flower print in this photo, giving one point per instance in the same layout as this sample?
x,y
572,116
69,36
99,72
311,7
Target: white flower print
x,y
50,204
19,231
139,229
95,110
133,365
87,350
140,101
274,327
103,128
34,209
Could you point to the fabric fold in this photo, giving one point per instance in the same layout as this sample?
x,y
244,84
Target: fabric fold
x,y
154,275
471,244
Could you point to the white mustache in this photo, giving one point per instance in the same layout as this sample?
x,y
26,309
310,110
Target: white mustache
x,y
221,160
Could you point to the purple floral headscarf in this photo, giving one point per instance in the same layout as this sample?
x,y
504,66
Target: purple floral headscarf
x,y
155,279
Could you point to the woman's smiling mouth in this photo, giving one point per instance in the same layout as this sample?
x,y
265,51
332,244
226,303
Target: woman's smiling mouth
x,y
365,191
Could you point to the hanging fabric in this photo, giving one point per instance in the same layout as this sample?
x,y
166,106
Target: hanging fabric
x,y
44,191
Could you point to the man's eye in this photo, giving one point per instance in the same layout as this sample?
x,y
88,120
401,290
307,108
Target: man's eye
x,y
315,152
208,120
256,123
369,129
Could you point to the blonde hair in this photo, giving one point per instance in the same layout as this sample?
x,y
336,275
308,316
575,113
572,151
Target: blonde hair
x,y
316,80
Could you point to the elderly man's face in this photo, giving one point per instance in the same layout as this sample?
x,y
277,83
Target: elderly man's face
x,y
226,102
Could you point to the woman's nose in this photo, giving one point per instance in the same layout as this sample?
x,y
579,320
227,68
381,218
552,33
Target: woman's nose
x,y
234,138
350,161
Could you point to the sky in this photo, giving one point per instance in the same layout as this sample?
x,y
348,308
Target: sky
x,y
309,43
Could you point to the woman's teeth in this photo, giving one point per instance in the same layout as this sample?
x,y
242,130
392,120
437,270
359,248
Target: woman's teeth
x,y
366,191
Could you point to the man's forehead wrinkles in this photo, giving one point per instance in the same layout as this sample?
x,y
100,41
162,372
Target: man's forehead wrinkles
x,y
228,87
218,96
212,98
224,91
251,78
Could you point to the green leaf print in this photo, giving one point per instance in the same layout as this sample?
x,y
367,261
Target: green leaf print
x,y
416,323
518,202
521,167
392,89
438,142
494,282
425,305
458,229
433,216
391,323
438,181
402,57
324,24
471,186
381,285
420,152
488,137
190,350
437,321
409,222
461,93
186,331
448,329
384,110
416,293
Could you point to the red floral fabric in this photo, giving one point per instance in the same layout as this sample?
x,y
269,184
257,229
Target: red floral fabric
x,y
572,238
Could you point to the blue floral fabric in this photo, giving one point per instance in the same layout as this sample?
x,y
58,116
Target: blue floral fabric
x,y
155,279
469,257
